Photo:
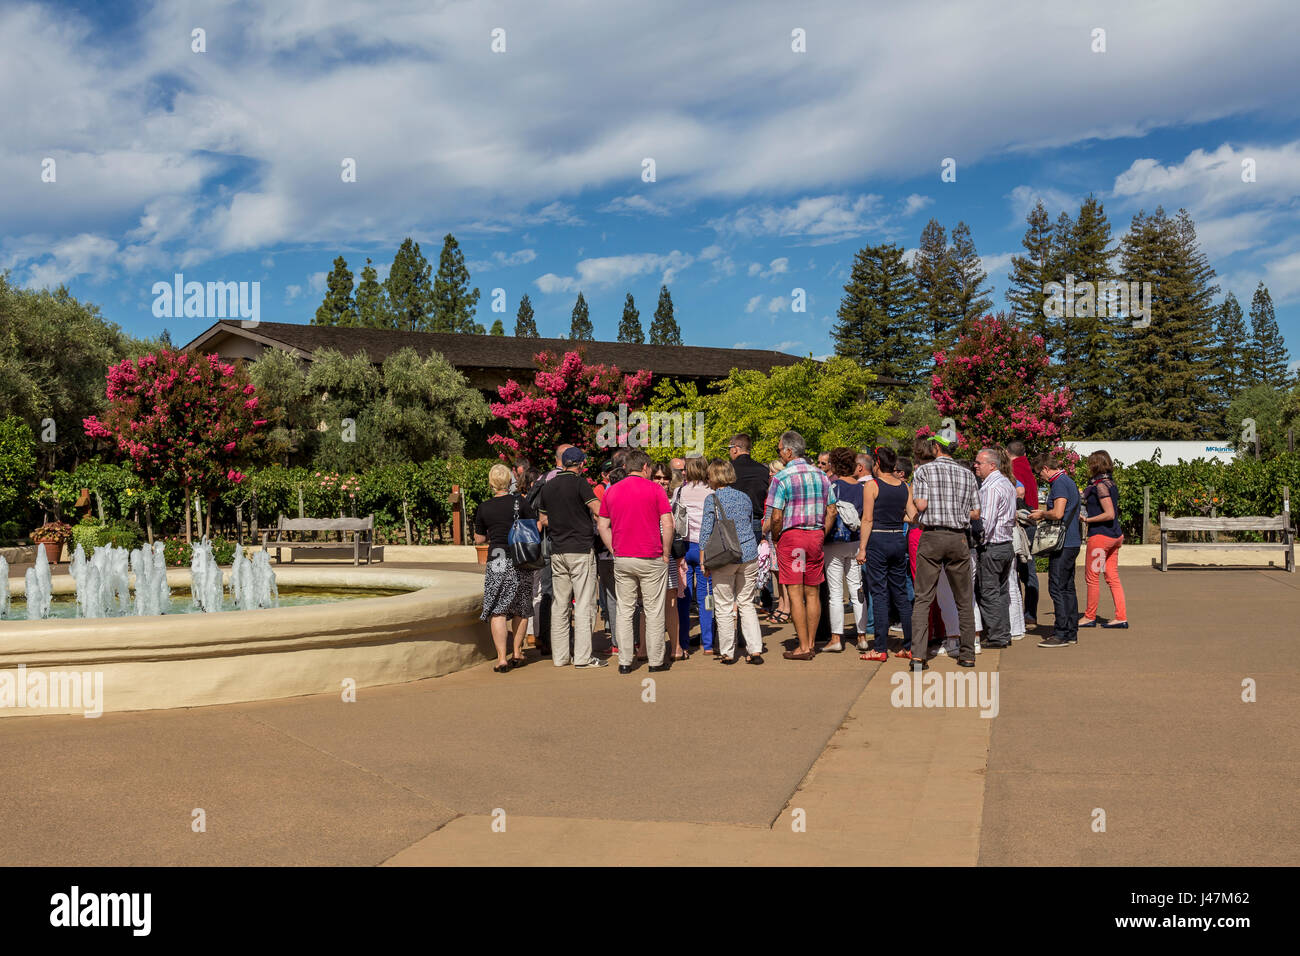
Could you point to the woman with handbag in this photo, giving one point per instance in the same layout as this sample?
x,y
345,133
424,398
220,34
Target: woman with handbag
x,y
690,497
507,589
1058,537
730,558
842,552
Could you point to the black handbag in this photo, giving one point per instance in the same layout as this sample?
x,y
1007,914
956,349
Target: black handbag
x,y
525,542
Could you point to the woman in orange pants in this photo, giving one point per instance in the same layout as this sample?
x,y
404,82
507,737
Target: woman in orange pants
x,y
1101,505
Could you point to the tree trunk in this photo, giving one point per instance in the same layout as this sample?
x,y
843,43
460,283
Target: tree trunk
x,y
189,536
148,522
207,521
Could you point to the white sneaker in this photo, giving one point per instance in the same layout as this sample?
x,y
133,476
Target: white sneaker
x,y
896,629
977,648
1017,637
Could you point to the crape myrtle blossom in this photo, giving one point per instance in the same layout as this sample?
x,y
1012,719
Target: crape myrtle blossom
x,y
561,405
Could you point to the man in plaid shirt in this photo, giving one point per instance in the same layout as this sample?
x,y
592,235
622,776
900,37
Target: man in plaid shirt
x,y
803,512
947,498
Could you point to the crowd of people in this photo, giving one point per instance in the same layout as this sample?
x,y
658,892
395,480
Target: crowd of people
x,y
922,555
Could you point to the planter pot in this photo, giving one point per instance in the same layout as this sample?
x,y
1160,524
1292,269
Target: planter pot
x,y
53,550
482,550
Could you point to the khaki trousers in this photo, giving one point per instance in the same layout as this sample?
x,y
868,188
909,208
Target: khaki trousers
x,y
648,578
734,585
572,575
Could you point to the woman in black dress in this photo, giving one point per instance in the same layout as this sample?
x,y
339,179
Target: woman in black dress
x,y
507,591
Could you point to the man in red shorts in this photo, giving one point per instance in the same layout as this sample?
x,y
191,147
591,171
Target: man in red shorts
x,y
803,512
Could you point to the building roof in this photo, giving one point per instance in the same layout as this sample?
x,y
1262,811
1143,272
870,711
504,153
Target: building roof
x,y
498,352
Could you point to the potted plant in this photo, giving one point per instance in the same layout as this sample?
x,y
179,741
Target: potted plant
x,y
52,536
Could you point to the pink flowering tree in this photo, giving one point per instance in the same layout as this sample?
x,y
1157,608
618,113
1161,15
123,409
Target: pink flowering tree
x,y
561,405
183,420
992,383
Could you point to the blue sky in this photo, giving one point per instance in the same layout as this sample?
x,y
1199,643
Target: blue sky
x,y
773,167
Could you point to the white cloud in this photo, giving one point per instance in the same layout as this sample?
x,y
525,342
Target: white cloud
x,y
1210,180
292,292
634,205
502,260
1023,198
609,270
316,282
915,203
778,304
82,255
753,304
787,346
812,220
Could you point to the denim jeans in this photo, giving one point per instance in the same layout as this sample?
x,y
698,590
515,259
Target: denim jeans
x,y
1065,600
697,585
886,571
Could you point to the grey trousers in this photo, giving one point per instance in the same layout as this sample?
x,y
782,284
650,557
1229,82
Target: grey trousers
x,y
996,562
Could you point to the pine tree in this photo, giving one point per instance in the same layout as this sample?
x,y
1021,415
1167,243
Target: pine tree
x,y
1029,275
1164,391
165,340
1089,369
580,329
525,324
664,330
1232,345
935,292
453,303
970,301
372,309
497,328
879,324
1267,356
1060,337
409,291
338,307
629,329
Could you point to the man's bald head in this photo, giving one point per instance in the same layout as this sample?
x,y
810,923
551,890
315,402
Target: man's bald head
x,y
559,453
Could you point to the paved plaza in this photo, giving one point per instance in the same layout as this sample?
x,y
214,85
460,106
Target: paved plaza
x,y
788,763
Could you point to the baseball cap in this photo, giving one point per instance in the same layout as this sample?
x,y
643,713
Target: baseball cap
x,y
572,456
940,439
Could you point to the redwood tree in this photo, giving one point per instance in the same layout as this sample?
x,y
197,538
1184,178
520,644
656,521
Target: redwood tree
x,y
183,420
993,384
561,405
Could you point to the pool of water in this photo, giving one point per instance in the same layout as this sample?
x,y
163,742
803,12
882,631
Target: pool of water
x,y
65,605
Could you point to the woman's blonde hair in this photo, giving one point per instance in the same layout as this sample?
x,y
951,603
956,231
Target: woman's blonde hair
x,y
499,477
697,469
721,473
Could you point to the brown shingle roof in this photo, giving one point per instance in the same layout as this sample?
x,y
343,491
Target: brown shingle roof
x,y
509,353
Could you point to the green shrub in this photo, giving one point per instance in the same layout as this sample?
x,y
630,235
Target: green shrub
x,y
178,553
86,534
121,534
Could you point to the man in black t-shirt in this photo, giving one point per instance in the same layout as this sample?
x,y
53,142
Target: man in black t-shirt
x,y
568,503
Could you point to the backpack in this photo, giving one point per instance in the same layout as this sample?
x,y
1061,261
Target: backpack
x,y
848,521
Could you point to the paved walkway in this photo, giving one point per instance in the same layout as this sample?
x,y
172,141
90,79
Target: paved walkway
x,y
789,763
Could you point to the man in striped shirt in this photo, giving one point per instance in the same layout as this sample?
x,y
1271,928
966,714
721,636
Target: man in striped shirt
x,y
996,554
803,513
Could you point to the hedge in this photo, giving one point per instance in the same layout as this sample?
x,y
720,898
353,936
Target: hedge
x,y
1243,487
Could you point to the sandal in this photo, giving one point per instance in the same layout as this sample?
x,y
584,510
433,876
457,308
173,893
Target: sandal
x,y
873,656
780,617
517,662
798,656
501,669
754,659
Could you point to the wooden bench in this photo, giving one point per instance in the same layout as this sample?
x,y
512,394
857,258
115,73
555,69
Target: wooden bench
x,y
361,543
1280,524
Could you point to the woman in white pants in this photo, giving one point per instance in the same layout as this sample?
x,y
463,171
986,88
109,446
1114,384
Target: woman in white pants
x,y
733,585
841,552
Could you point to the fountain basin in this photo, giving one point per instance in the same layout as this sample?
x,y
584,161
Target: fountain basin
x,y
149,663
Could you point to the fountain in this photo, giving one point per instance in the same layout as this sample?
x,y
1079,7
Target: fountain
x,y
4,588
38,587
206,588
